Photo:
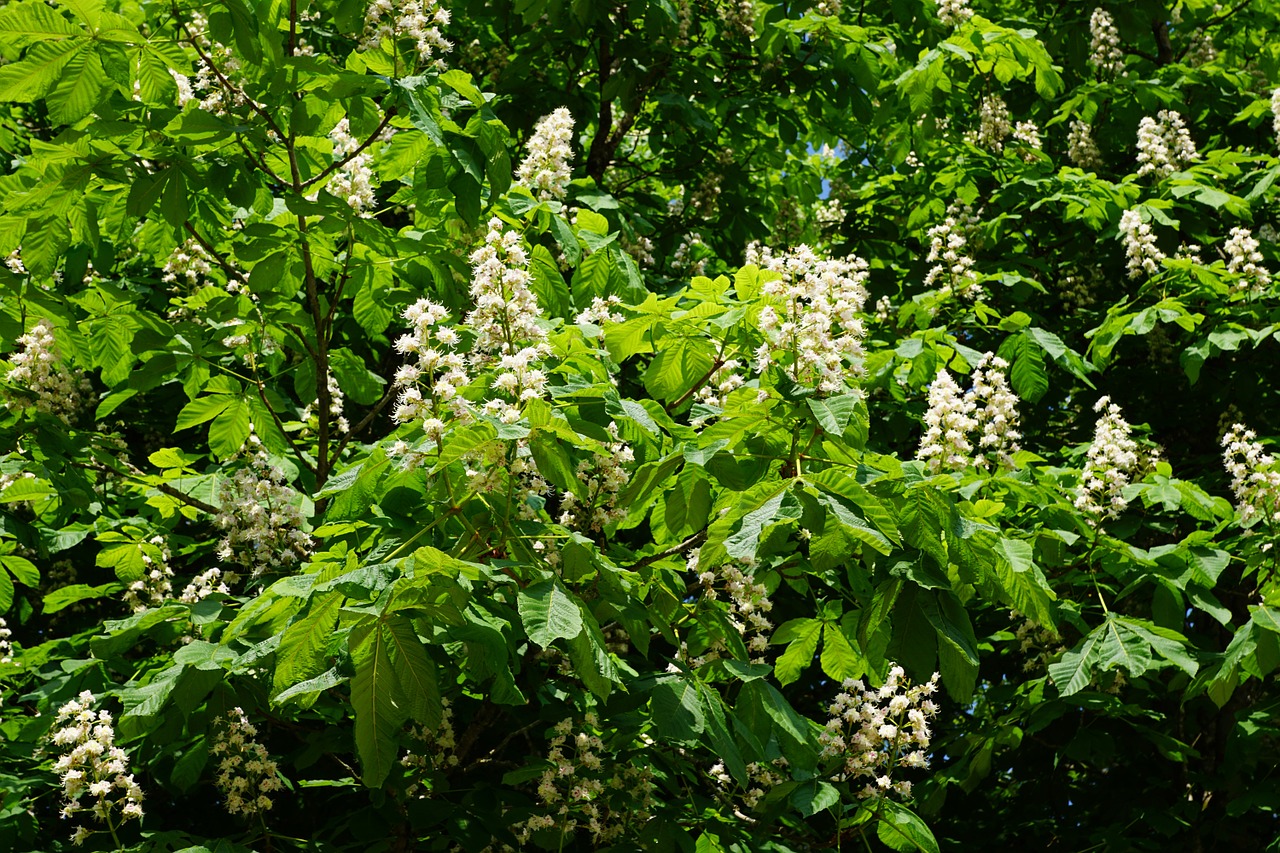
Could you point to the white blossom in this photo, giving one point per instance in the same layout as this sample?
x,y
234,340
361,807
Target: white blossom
x,y
994,124
948,423
748,605
1081,147
246,773
953,268
738,17
353,180
261,517
6,646
545,168
1164,144
1105,54
874,733
1143,255
1275,114
811,320
155,586
42,379
1112,461
1028,134
429,388
417,20
206,584
953,13
1244,260
90,763
996,412
1255,477
602,476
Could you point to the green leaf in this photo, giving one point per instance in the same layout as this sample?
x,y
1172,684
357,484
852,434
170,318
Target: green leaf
x,y
549,612
66,596
357,381
902,830
833,413
1023,583
39,71
814,796
1073,673
302,654
839,660
802,636
416,672
78,90
23,570
377,700
36,20
201,409
678,709
230,429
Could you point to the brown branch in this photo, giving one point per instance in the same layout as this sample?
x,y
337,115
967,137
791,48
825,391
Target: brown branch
x,y
684,398
333,167
696,539
365,421
215,254
136,473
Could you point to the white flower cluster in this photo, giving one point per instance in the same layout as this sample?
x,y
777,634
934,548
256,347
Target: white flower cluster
x,y
502,466
92,764
1275,114
581,791
1140,248
1038,644
830,212
190,263
738,17
1112,460
1028,134
682,260
601,312
206,584
506,316
811,324
876,732
1244,259
353,181
432,750
6,646
989,413
1105,54
545,168
640,248
952,266
507,322
261,519
1202,50
156,585
994,124
209,89
603,476
431,386
1164,144
953,13
761,778
55,388
419,20
724,380
337,404
246,772
1255,477
996,413
1081,147
13,261
828,8
948,423
748,605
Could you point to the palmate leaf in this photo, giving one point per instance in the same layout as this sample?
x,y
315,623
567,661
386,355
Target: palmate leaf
x,y
36,21
36,74
78,90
